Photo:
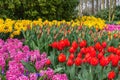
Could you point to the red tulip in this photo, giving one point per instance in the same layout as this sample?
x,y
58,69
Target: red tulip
x,y
84,60
104,44
54,44
83,50
93,53
79,55
100,55
72,50
115,35
115,50
115,61
87,50
83,43
111,75
89,59
94,61
110,57
70,62
61,58
48,62
110,49
60,46
80,27
62,43
74,45
104,61
87,55
71,56
118,52
78,61
91,48
67,42
97,46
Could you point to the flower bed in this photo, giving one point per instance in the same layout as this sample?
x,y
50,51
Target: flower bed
x,y
83,49
80,52
14,27
18,62
94,62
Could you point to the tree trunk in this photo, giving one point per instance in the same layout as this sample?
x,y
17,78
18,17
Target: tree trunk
x,y
86,7
100,4
86,4
80,8
97,5
114,8
107,3
92,6
103,4
111,9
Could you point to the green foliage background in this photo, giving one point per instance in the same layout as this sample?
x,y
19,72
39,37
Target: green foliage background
x,y
104,14
33,9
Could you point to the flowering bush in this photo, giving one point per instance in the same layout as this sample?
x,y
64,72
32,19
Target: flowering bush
x,y
18,62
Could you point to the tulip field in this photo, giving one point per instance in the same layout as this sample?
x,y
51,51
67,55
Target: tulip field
x,y
86,48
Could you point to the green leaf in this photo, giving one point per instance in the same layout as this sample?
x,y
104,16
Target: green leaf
x,y
91,73
11,6
84,74
115,42
52,57
58,69
3,78
80,77
34,45
29,67
72,72
118,76
98,69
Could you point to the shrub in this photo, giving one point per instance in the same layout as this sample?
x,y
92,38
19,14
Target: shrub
x,y
46,9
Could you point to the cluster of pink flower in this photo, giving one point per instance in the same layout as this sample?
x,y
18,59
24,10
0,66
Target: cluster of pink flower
x,y
12,52
112,27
